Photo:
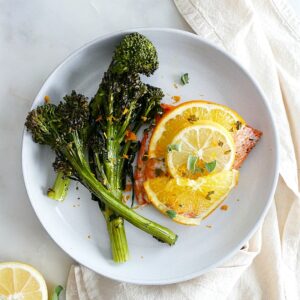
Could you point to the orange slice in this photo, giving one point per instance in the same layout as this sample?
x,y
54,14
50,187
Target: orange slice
x,y
187,114
188,201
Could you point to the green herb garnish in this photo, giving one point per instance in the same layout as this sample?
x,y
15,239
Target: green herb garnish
x,y
185,78
173,147
209,194
171,213
198,170
192,163
210,166
220,143
56,292
238,125
227,151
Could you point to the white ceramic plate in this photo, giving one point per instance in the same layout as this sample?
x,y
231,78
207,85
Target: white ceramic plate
x,y
77,225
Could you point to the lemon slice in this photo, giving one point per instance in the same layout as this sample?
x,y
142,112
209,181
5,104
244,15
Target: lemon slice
x,y
21,281
187,114
188,201
201,149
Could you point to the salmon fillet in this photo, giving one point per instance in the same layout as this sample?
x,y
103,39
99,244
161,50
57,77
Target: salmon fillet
x,y
245,139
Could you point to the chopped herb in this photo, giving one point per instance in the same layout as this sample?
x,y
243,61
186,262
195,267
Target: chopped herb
x,y
227,151
251,140
185,78
158,172
192,163
238,125
173,147
209,194
220,143
171,213
192,118
210,166
56,292
198,170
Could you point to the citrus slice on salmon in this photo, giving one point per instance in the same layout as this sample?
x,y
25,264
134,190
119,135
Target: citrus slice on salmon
x,y
188,201
187,114
199,150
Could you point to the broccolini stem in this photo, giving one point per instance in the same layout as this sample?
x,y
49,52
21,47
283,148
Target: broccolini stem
x,y
160,232
84,173
115,224
60,187
117,235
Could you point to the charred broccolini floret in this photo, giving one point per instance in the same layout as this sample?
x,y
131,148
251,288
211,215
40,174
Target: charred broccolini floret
x,y
135,54
105,128
122,104
61,184
64,128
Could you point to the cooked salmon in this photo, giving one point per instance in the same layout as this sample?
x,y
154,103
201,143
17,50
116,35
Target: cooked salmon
x,y
245,140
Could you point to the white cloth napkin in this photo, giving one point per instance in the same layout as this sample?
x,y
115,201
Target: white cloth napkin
x,y
264,35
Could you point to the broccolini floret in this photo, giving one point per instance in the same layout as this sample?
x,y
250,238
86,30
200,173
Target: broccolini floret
x,y
104,129
64,129
135,54
122,104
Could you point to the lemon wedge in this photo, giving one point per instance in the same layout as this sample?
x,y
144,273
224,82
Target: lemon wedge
x,y
20,281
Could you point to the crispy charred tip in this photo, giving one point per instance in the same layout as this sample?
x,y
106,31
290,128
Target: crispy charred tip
x,y
135,53
38,120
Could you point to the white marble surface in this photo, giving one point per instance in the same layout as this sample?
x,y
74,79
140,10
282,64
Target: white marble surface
x,y
35,36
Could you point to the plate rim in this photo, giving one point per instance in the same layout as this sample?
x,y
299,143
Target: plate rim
x,y
178,278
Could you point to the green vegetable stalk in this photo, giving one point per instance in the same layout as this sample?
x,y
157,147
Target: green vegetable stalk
x,y
65,129
106,129
120,107
60,187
